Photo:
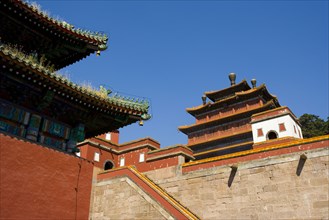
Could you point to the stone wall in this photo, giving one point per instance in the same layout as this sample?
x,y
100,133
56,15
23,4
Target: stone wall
x,y
279,187
121,198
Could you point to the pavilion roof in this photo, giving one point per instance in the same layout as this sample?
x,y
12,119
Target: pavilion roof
x,y
121,110
198,146
215,150
27,26
41,70
227,92
237,96
247,113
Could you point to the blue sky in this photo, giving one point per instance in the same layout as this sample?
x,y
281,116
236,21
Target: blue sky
x,y
171,52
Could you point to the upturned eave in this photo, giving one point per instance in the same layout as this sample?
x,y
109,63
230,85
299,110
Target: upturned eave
x,y
94,38
217,139
187,129
25,25
223,93
94,97
242,95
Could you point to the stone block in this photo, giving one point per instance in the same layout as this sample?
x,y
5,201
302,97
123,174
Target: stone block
x,y
257,170
321,204
207,196
284,214
319,181
242,191
270,188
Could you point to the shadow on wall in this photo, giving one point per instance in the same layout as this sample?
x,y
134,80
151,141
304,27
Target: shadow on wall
x,y
301,164
232,175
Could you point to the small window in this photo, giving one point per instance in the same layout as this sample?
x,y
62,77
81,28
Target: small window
x,y
122,161
108,136
295,129
96,157
141,157
282,127
260,132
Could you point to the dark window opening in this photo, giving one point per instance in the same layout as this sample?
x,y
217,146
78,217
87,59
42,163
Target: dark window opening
x,y
108,165
272,135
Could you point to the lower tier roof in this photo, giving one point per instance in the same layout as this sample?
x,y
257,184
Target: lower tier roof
x,y
32,86
187,129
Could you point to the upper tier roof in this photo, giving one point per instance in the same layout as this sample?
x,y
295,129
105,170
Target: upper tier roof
x,y
27,27
227,92
234,97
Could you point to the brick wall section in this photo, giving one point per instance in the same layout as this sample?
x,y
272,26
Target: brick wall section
x,y
37,182
266,188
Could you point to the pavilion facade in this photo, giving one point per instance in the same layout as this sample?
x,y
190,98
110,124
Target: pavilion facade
x,y
223,123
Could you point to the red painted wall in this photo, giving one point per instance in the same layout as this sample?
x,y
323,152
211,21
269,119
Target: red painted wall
x,y
158,164
131,158
37,182
114,136
88,152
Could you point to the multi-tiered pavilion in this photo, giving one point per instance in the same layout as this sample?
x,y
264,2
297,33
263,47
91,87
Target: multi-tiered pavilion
x,y
224,122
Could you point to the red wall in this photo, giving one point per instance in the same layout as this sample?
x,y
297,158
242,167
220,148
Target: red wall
x,y
88,152
131,158
158,164
114,136
41,183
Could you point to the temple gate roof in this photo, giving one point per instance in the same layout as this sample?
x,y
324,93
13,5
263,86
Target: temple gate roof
x,y
95,108
33,30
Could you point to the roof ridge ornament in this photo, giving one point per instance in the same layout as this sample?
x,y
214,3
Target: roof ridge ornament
x,y
253,83
204,99
232,77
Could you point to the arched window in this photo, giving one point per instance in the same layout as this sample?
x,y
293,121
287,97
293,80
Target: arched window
x,y
108,165
272,135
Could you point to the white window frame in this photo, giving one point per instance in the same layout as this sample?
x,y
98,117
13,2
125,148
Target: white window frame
x,y
96,157
122,161
141,157
108,136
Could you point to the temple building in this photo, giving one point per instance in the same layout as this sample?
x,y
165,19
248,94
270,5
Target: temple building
x,y
38,103
43,115
236,118
60,156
